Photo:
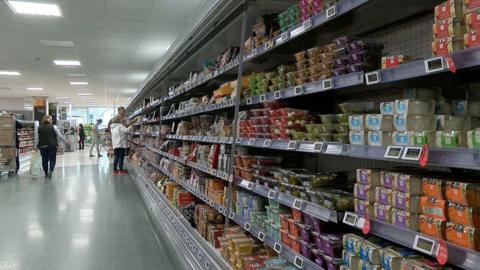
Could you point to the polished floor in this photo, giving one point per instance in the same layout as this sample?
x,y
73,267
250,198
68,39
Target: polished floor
x,y
83,218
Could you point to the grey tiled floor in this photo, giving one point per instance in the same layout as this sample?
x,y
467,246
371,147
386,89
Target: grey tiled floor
x,y
84,218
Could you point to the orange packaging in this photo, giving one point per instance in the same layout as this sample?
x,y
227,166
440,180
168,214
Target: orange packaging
x,y
433,188
464,236
432,227
472,19
466,216
471,38
433,208
467,194
449,9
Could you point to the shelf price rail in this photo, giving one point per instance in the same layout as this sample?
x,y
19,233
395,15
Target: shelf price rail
x,y
198,253
458,256
315,210
283,250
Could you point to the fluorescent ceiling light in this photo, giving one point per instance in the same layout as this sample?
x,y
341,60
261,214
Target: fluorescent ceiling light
x,y
63,97
57,43
78,83
67,62
85,94
34,88
76,75
29,8
9,73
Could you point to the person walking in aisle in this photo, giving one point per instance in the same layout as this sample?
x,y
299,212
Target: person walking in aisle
x,y
119,143
46,140
96,138
81,135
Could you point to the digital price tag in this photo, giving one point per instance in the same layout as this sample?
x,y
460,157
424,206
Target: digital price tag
x,y
434,65
292,145
200,255
394,152
252,141
285,36
261,236
350,219
298,90
220,209
231,215
327,84
211,203
277,247
239,140
247,226
317,147
334,149
297,204
230,178
412,153
249,101
219,174
307,24
331,12
298,262
250,186
263,98
267,143
277,94
225,176
269,44
272,194
372,78
424,245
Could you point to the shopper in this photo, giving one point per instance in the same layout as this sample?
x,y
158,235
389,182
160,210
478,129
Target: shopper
x,y
96,138
119,143
46,140
81,134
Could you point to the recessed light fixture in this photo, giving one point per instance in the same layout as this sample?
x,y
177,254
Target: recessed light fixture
x,y
67,62
57,43
34,88
9,73
63,97
78,83
76,75
30,8
85,94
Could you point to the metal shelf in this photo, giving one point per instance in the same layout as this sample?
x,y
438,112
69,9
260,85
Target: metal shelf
x,y
143,110
461,257
150,122
199,254
204,109
151,134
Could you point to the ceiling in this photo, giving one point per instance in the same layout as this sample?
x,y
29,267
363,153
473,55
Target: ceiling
x,y
116,41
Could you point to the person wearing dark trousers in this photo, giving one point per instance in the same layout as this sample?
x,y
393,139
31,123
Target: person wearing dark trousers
x,y
81,134
46,140
119,156
119,141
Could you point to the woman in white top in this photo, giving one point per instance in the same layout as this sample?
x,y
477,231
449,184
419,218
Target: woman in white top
x,y
119,143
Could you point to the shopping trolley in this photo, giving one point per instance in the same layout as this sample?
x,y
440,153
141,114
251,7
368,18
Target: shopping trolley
x,y
106,143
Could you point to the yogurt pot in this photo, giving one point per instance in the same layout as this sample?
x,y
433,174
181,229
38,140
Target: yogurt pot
x,y
460,107
379,138
402,138
356,122
415,106
422,138
358,137
379,122
452,122
387,108
417,123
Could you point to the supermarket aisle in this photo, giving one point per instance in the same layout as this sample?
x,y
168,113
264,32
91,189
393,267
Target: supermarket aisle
x,y
84,218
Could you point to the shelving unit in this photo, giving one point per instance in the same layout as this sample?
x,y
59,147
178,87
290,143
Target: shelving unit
x,y
26,138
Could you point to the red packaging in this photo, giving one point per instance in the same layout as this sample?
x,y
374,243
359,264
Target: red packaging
x,y
392,61
471,38
472,19
449,9
470,5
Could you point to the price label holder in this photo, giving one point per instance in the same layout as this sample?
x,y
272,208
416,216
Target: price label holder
x,y
331,12
220,209
307,24
267,143
292,145
434,65
219,174
285,36
225,176
412,153
239,140
263,98
317,147
297,204
425,245
250,186
298,262
277,247
254,52
230,178
393,152
350,219
249,101
211,203
269,44
272,194
277,94
247,227
327,84
442,252
231,215
252,141
298,90
261,236
334,149
373,78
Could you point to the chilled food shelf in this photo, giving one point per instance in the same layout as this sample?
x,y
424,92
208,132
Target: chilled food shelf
x,y
198,253
200,110
458,256
315,210
146,109
284,251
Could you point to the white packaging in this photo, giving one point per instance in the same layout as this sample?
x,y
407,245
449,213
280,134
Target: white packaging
x,y
379,122
379,138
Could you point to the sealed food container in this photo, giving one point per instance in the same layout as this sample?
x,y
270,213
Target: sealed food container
x,y
293,228
317,237
340,71
405,219
415,106
358,137
296,215
383,195
422,138
403,138
315,224
306,249
300,56
379,122
460,107
443,108
473,139
446,46
474,108
463,236
261,128
433,187
262,120
325,137
470,39
290,112
325,66
311,137
285,238
313,61
379,138
296,246
332,263
406,201
434,208
300,136
368,177
326,57
431,226
332,245
342,118
363,208
326,128
339,200
463,215
358,107
451,139
313,128
449,9
467,194
243,246
360,45
342,128
328,118
387,108
371,252
363,57
357,122
382,212
322,180
388,179
417,123
313,52
408,183
451,27
392,257
305,232
350,260
341,138
420,93
352,243
451,123
259,112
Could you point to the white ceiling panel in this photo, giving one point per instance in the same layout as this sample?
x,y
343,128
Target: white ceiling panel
x,y
137,10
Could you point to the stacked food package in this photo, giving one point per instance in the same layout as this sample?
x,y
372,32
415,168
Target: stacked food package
x,y
314,64
7,142
355,55
288,18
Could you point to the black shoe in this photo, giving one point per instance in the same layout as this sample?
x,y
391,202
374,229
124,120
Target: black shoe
x,y
49,175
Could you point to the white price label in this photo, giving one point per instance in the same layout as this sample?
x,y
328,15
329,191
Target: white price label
x,y
317,147
277,94
307,24
231,215
334,149
394,152
267,143
425,245
249,101
254,52
350,219
298,90
373,78
269,44
292,145
277,247
298,262
285,36
412,153
327,84
239,140
297,204
250,186
331,12
271,194
252,141
263,98
247,226
434,65
261,236
230,178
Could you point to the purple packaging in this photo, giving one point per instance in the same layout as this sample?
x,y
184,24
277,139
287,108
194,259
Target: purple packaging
x,y
355,68
318,241
333,263
341,42
305,232
360,45
318,257
387,179
332,245
339,71
383,195
341,62
306,249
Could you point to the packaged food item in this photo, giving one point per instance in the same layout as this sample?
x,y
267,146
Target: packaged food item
x,y
451,122
471,38
451,139
370,252
392,257
460,107
405,219
332,263
421,138
406,201
463,236
387,108
368,177
463,215
417,123
421,93
383,195
358,137
451,27
433,187
364,192
408,183
434,208
388,179
352,243
356,122
473,139
446,46
415,106
449,9
392,61
472,19
467,194
332,245
403,138
432,227
366,265
420,263
363,208
379,122
382,212
350,260
379,138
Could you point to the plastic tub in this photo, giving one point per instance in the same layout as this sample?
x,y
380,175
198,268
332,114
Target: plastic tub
x,y
313,61
284,221
342,128
379,122
328,118
415,106
325,137
451,122
261,128
379,138
333,263
358,107
306,249
341,138
332,245
262,120
340,71
341,62
305,232
358,137
417,123
296,246
299,136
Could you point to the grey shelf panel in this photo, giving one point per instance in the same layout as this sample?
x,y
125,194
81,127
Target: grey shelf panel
x,y
458,256
204,109
151,122
198,253
151,134
146,109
